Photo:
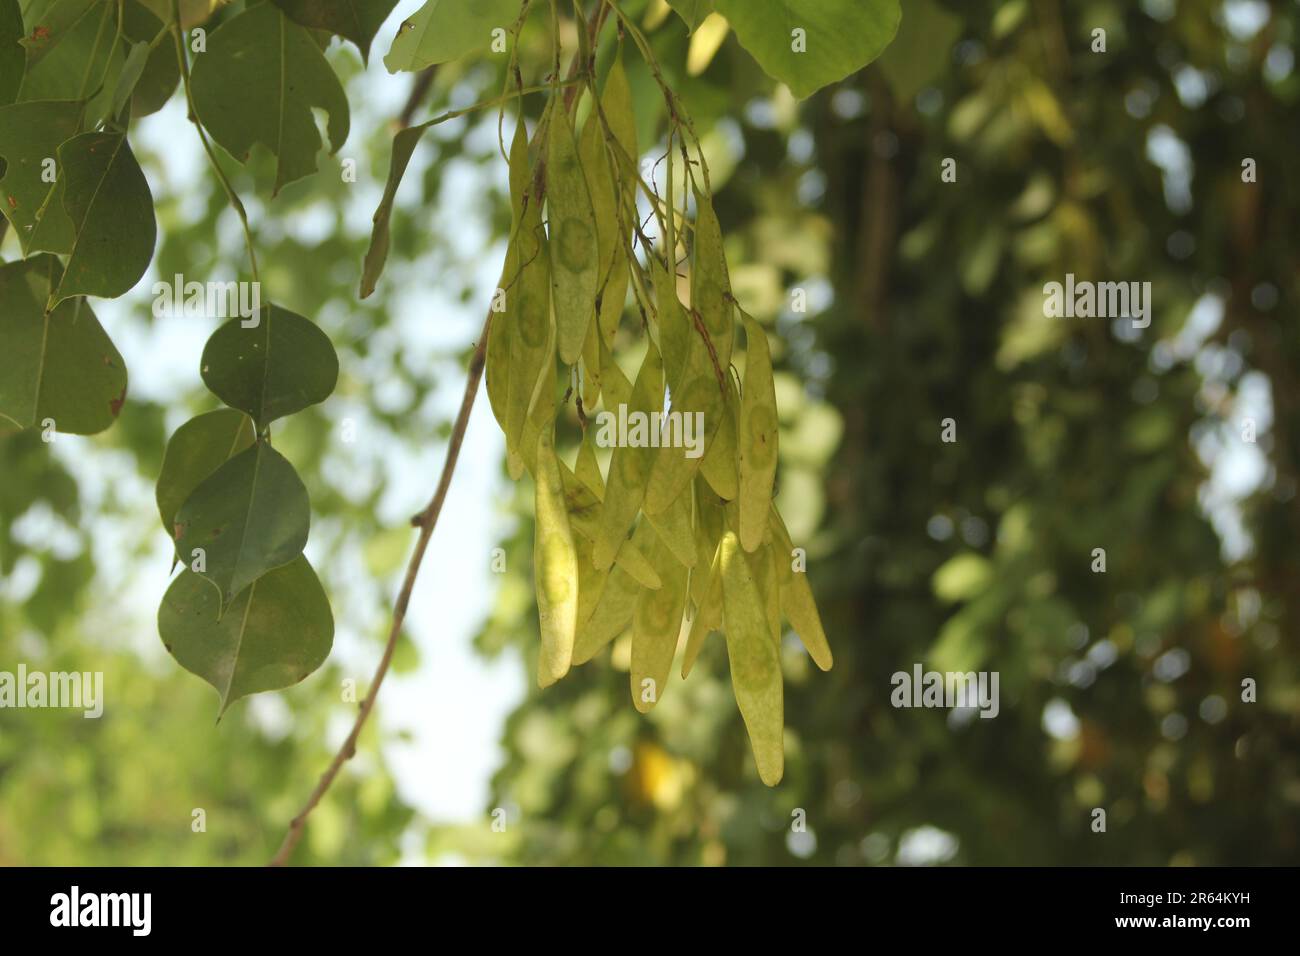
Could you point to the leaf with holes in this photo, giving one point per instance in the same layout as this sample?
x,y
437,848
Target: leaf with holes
x,y
355,20
258,82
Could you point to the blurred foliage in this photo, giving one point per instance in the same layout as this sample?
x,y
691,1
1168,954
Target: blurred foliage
x,y
1119,690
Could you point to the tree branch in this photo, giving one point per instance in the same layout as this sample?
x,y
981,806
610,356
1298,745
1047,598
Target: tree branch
x,y
425,521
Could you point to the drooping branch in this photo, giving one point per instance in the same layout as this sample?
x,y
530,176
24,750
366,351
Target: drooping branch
x,y
426,520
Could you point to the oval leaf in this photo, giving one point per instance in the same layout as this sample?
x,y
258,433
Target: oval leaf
x,y
277,367
808,44
196,450
443,30
108,201
274,635
59,367
249,516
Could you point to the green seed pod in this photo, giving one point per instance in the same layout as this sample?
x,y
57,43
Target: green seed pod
x,y
629,468
757,437
575,267
797,603
721,463
656,626
555,567
755,662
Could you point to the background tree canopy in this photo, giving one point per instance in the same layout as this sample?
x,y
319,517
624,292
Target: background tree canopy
x,y
902,290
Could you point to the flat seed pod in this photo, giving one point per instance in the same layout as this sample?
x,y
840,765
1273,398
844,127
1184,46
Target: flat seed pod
x,y
573,245
797,603
584,517
503,329
721,465
757,437
708,611
710,285
674,329
532,347
590,367
555,567
629,468
697,412
673,525
591,583
587,469
614,384
610,617
755,663
656,626
276,633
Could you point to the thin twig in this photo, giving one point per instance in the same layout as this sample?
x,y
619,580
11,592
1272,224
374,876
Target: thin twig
x,y
425,521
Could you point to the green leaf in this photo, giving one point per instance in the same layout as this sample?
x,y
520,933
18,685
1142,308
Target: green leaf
x,y
274,635
693,12
13,58
921,49
196,450
108,200
161,74
71,48
443,30
61,366
277,367
839,37
258,82
247,517
355,20
31,133
404,144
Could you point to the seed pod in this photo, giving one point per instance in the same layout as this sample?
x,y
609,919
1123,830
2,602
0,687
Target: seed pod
x,y
755,663
502,330
614,384
670,321
575,267
584,517
587,468
797,603
721,465
710,285
708,610
614,609
757,437
555,567
532,344
673,525
656,626
629,468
